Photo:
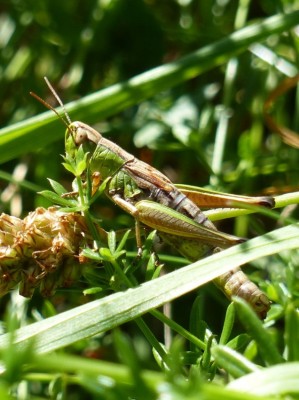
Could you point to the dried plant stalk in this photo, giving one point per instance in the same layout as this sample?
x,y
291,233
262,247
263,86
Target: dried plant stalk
x,y
42,251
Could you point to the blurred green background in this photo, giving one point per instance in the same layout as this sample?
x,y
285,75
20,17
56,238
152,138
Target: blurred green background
x,y
207,130
85,46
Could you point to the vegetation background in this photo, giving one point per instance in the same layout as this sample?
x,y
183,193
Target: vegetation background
x,y
204,127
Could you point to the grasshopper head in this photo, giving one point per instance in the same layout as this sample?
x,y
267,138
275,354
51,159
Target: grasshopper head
x,y
78,134
261,304
83,133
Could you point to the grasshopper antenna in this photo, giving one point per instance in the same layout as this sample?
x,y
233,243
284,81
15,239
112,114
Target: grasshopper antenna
x,y
67,121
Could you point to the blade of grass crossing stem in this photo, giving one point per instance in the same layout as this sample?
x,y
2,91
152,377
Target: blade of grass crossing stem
x,y
291,332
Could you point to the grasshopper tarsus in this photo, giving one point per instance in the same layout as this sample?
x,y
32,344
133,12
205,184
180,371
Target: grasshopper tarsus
x,y
242,240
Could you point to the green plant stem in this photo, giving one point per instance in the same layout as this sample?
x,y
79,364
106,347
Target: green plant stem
x,y
72,364
86,213
224,113
280,201
139,321
22,183
179,329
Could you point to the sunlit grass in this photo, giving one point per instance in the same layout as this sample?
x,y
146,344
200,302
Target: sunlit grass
x,y
201,114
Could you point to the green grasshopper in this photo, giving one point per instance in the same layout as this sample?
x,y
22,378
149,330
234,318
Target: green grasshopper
x,y
153,200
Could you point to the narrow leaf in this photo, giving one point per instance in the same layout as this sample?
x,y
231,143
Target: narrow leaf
x,y
57,187
255,328
275,381
56,199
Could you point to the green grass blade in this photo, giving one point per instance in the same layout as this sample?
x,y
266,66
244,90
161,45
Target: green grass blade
x,y
259,333
228,324
291,332
278,380
232,361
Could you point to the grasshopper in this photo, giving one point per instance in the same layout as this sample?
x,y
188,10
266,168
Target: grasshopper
x,y
154,201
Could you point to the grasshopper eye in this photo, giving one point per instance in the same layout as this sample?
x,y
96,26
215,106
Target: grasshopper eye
x,y
79,133
83,133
